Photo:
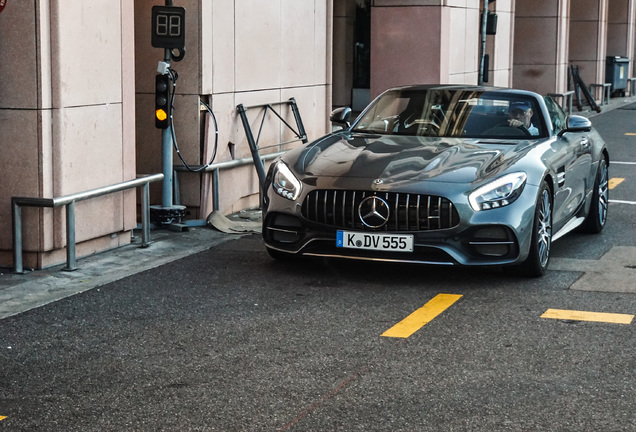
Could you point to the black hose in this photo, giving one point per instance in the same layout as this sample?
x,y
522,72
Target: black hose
x,y
174,76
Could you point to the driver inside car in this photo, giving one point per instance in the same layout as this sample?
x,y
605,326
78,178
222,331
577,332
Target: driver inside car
x,y
520,116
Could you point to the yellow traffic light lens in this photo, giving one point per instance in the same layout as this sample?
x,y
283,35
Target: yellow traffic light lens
x,y
161,115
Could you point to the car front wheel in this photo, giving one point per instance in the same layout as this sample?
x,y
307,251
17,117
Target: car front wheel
x,y
537,262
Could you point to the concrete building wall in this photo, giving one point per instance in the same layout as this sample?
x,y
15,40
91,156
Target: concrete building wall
x,y
619,25
428,41
500,46
620,29
65,108
541,45
246,52
423,41
405,45
343,30
588,39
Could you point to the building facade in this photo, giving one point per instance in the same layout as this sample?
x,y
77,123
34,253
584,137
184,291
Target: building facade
x,y
77,96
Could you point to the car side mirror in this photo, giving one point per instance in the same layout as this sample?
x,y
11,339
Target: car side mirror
x,y
341,116
577,123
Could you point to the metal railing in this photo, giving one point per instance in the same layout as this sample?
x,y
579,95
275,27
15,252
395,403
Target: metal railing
x,y
215,167
632,89
257,159
301,135
606,91
69,201
566,100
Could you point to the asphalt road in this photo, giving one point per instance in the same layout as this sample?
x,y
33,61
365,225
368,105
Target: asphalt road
x,y
230,340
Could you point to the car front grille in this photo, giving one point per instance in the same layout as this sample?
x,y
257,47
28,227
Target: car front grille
x,y
407,212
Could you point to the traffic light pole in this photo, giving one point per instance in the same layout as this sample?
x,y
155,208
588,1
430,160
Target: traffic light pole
x,y
166,152
482,50
168,213
168,32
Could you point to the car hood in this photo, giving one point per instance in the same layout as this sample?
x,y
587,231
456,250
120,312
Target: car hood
x,y
396,159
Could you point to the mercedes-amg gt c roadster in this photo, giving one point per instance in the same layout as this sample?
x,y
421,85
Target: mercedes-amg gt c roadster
x,y
444,175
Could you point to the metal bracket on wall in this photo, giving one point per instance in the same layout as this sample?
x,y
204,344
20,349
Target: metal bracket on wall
x,y
300,133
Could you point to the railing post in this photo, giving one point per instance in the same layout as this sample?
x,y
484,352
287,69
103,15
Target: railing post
x,y
215,199
258,162
145,215
70,237
299,121
566,102
16,213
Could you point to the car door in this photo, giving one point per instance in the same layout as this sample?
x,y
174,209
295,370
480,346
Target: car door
x,y
572,160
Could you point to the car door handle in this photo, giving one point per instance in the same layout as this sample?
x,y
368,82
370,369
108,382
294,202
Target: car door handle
x,y
585,143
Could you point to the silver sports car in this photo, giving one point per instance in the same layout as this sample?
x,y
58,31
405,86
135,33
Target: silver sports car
x,y
445,175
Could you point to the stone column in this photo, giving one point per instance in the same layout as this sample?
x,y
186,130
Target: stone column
x,y
620,29
541,45
588,39
423,42
500,46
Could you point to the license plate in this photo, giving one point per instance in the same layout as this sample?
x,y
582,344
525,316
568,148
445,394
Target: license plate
x,y
375,241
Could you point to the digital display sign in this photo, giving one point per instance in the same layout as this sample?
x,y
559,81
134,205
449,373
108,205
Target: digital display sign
x,y
168,27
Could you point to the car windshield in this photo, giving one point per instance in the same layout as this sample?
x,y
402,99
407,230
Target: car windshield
x,y
453,113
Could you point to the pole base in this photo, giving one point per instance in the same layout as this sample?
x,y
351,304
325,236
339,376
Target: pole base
x,y
167,215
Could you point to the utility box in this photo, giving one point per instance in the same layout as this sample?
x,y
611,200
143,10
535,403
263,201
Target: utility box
x,y
616,71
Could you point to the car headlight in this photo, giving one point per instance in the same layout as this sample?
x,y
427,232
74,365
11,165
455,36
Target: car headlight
x,y
284,182
498,193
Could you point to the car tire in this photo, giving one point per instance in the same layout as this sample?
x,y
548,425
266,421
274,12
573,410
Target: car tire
x,y
596,218
541,240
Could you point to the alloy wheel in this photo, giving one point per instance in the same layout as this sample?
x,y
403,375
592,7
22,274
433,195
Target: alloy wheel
x,y
544,229
603,194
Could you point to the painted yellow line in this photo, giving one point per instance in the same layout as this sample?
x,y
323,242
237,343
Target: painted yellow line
x,y
2,418
613,182
630,134
611,318
422,316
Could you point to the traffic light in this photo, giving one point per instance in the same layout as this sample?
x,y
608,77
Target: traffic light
x,y
162,101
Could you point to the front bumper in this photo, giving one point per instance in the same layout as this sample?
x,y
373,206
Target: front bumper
x,y
492,237
478,245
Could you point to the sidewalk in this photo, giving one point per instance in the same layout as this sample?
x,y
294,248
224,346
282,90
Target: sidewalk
x,y
614,103
22,292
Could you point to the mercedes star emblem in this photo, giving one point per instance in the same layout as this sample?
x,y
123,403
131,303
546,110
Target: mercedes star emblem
x,y
373,212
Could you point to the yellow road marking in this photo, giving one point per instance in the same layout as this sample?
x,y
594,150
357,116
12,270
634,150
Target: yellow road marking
x,y
422,316
2,418
630,134
612,318
613,182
